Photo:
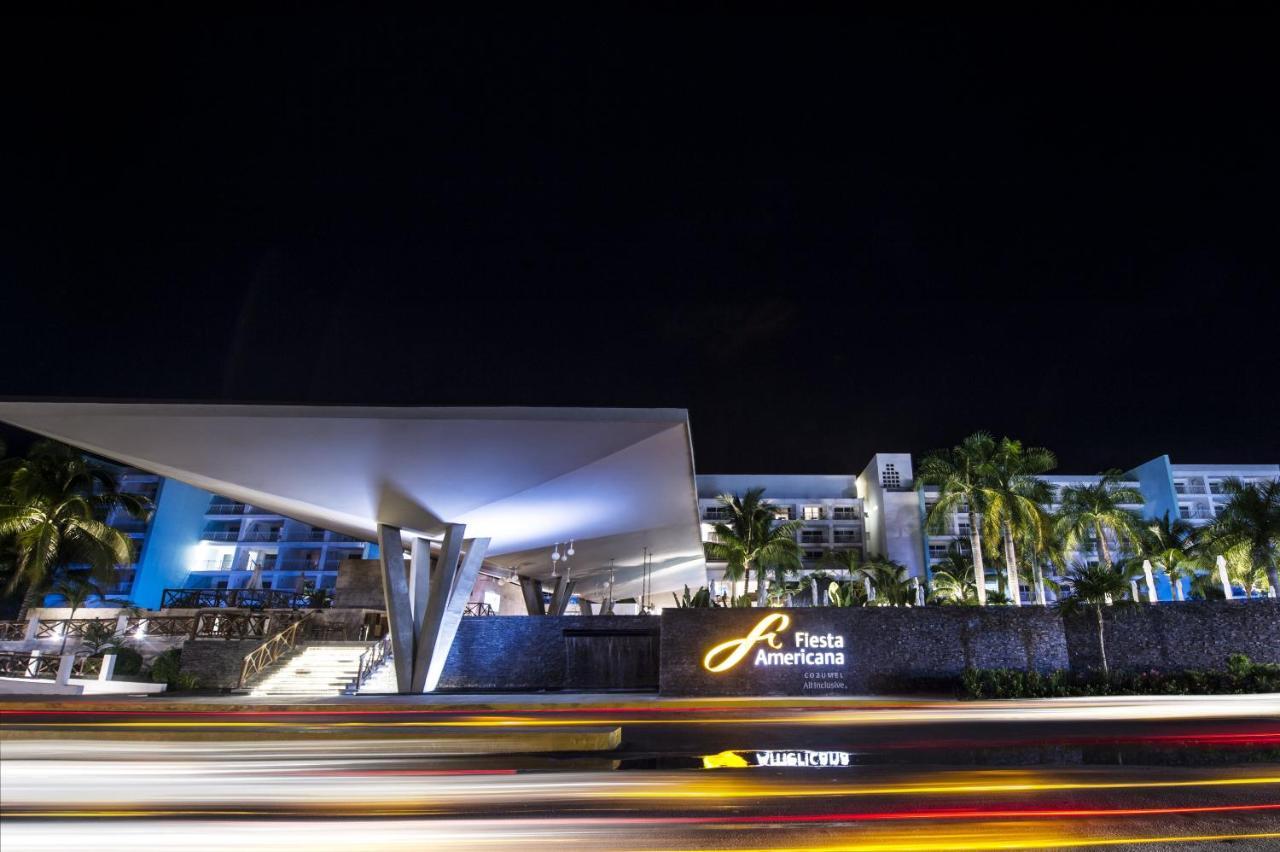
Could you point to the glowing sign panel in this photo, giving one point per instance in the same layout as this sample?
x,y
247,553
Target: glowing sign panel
x,y
807,649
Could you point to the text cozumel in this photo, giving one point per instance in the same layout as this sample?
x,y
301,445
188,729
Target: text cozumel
x,y
765,648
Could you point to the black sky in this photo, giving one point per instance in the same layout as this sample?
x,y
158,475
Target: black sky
x,y
823,236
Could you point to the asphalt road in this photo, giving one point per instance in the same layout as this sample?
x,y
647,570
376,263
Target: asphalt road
x,y
1129,774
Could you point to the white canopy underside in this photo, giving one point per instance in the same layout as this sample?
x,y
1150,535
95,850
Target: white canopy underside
x,y
616,481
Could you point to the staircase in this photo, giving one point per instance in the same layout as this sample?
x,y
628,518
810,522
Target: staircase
x,y
316,668
383,679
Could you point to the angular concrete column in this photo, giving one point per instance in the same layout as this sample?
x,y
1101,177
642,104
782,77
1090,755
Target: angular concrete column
x,y
419,580
532,591
464,582
395,591
585,606
560,597
451,585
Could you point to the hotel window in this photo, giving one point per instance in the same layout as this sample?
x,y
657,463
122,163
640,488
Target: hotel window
x,y
1180,487
963,528
1215,486
717,513
813,554
889,477
937,551
847,536
814,513
845,513
1184,511
784,513
813,536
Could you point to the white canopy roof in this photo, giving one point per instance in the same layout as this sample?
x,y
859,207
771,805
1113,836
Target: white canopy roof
x,y
616,481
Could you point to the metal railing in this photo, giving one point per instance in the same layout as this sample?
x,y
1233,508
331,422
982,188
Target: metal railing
x,y
271,650
303,535
478,609
165,625
226,509
241,625
29,665
262,535
231,598
377,653
57,628
13,631
87,667
220,535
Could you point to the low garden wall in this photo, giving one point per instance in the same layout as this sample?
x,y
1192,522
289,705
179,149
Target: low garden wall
x,y
1176,635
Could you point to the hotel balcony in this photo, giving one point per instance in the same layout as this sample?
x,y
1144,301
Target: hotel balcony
x,y
220,535
226,508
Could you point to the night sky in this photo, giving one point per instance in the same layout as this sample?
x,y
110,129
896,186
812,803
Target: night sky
x,y
823,236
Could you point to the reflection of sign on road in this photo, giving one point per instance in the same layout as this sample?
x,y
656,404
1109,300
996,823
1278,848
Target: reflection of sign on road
x,y
810,649
799,758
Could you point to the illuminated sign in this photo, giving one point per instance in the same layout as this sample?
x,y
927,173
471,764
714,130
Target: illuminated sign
x,y
807,649
795,758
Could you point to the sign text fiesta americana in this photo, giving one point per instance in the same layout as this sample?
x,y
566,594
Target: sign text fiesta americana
x,y
812,649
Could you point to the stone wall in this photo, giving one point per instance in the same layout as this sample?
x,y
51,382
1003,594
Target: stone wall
x,y
869,649
216,662
530,653
1177,635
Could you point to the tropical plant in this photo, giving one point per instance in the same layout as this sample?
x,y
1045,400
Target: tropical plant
x,y
1242,571
51,504
1096,509
818,580
700,599
889,582
1251,518
1046,552
752,538
847,594
1168,543
953,578
1095,585
75,592
1013,499
958,473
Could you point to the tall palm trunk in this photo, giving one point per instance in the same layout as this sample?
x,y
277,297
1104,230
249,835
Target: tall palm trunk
x,y
1103,548
1011,565
1102,641
975,549
1176,582
1040,596
31,598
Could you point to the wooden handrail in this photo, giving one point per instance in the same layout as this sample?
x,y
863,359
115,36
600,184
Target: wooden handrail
x,y
271,650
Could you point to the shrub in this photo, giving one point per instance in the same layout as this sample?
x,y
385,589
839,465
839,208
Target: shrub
x,y
128,661
166,667
1241,675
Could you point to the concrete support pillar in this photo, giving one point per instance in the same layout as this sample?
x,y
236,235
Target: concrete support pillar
x,y
585,606
122,624
532,591
463,583
33,625
1222,577
1133,590
33,663
419,581
1151,582
395,590
560,597
65,664
108,667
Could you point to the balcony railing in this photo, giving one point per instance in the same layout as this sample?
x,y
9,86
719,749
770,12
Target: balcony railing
x,y
220,535
248,598
13,631
226,509
166,625
303,535
339,537
478,609
25,664
262,535
72,628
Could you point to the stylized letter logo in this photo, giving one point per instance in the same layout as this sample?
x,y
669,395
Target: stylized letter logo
x,y
766,630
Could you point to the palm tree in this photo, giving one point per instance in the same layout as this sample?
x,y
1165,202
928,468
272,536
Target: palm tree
x,y
1013,498
890,581
1251,519
1095,585
75,592
1098,508
751,538
953,578
1169,545
51,508
957,473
